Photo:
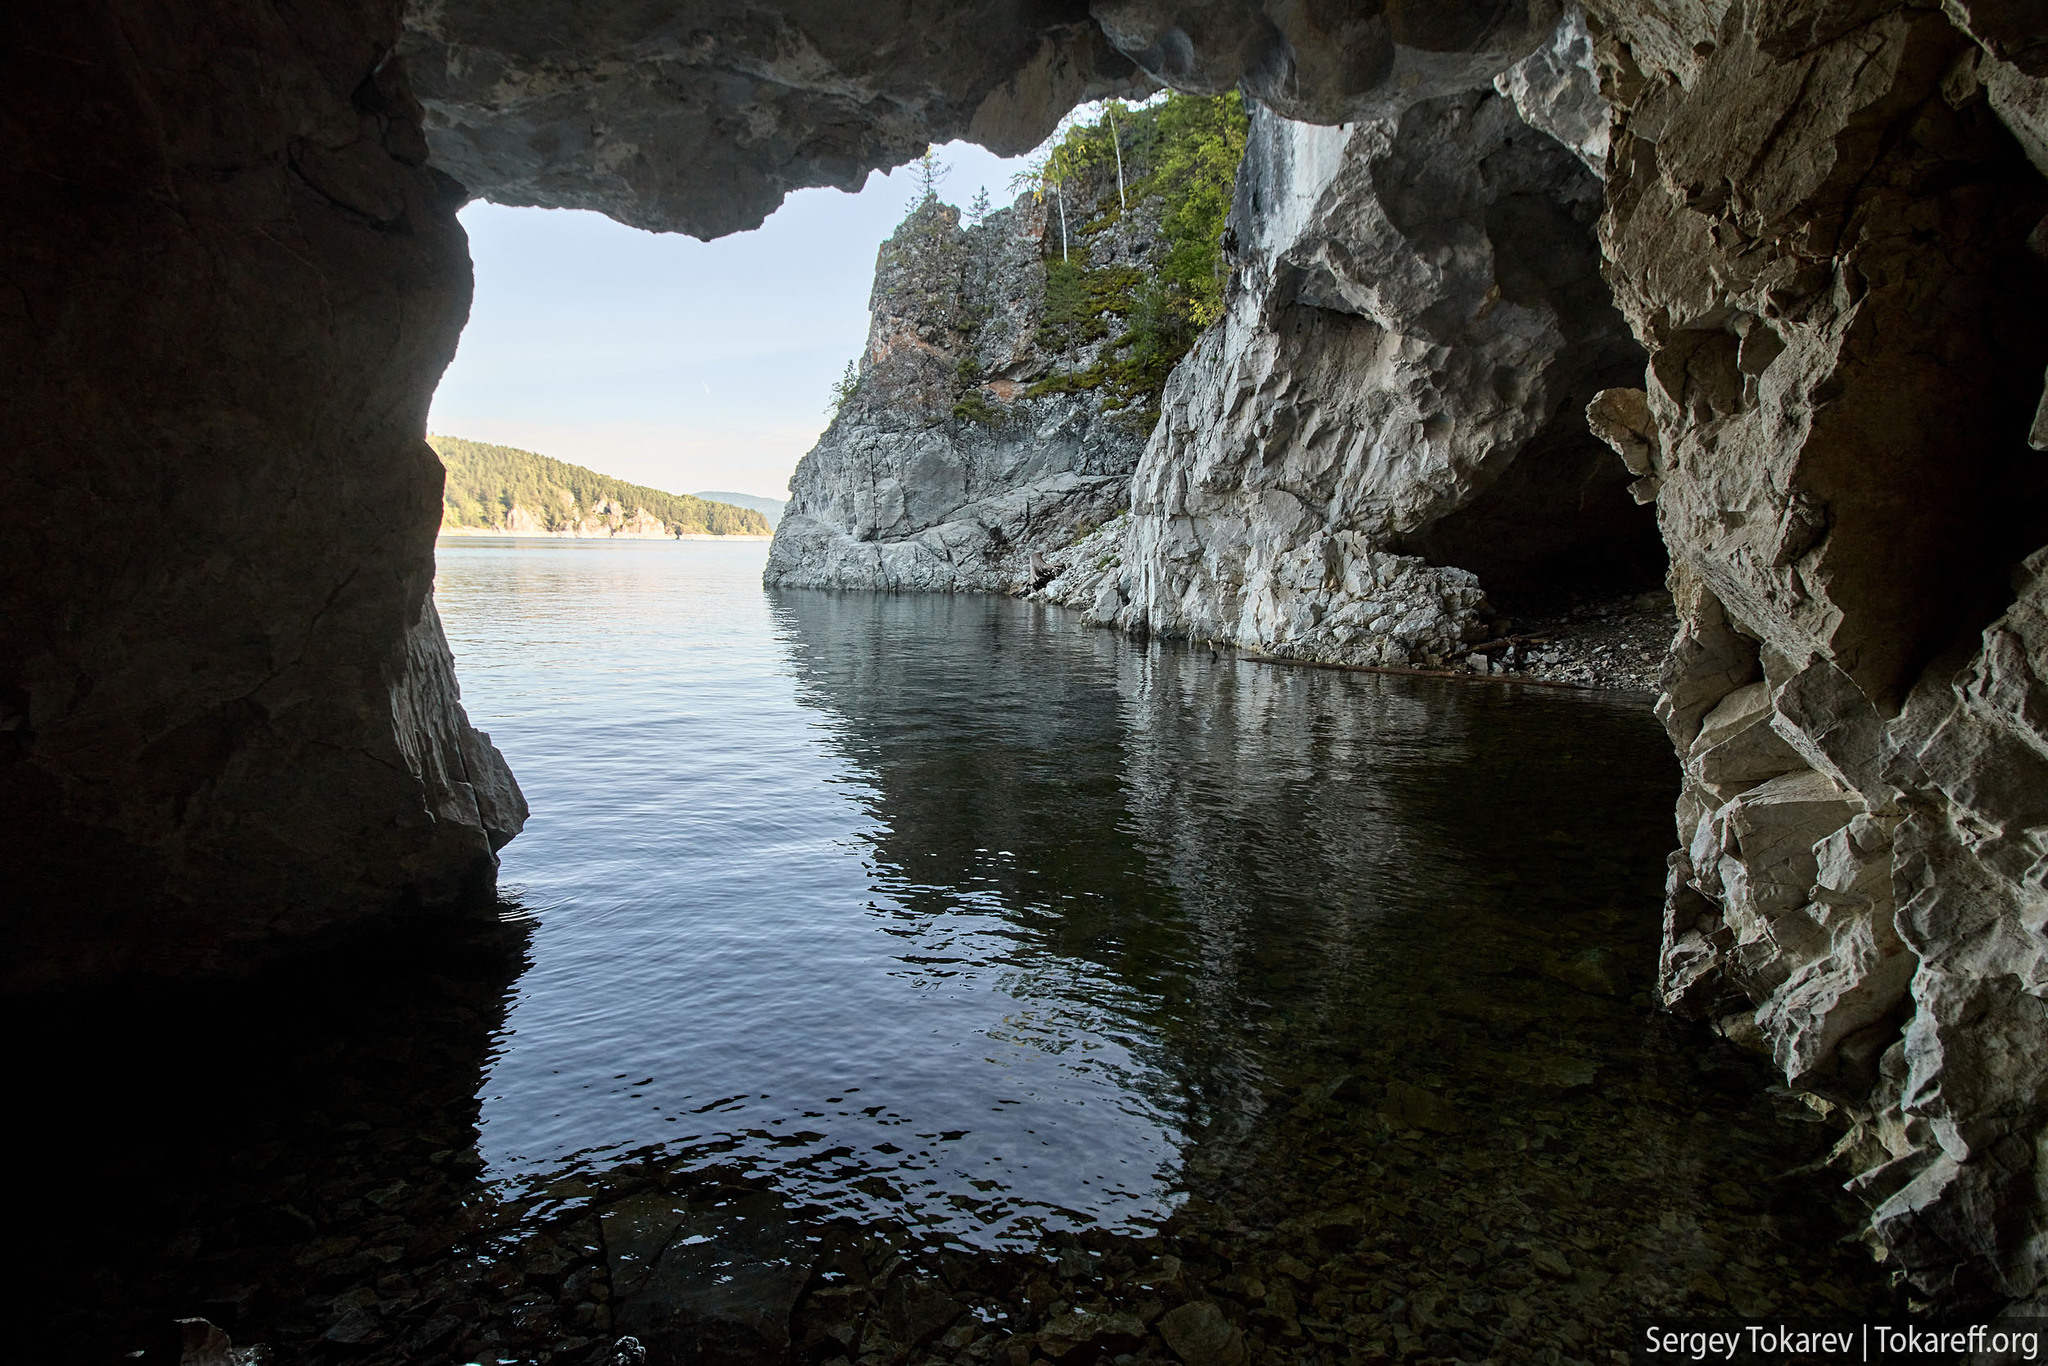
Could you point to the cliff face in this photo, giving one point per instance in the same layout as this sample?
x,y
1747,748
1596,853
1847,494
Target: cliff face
x,y
941,469
1389,420
228,720
1819,226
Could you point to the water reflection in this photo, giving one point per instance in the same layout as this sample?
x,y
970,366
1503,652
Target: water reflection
x,y
863,924
1381,945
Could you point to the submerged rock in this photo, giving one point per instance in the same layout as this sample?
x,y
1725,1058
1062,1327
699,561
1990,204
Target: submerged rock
x,y
707,1279
1200,1336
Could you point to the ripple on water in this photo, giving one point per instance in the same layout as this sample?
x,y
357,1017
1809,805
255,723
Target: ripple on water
x,y
949,914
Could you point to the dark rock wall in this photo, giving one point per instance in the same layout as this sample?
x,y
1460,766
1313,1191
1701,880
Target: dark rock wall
x,y
227,715
700,118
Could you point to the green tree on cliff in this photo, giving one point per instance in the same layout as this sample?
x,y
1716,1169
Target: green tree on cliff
x,y
1201,144
843,387
929,171
1182,153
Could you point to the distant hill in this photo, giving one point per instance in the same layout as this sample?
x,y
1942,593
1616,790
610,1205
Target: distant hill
x,y
771,508
507,490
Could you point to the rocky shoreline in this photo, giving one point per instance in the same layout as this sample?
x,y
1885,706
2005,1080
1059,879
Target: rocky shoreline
x,y
1614,641
1601,642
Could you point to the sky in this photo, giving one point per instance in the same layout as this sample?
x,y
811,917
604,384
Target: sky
x,y
683,365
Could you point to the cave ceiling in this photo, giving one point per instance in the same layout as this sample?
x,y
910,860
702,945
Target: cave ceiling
x,y
701,118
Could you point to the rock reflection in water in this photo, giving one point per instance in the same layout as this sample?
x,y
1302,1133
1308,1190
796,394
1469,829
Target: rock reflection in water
x,y
1391,941
1208,1010
291,1157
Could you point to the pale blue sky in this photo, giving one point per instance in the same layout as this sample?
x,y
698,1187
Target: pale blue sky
x,y
680,364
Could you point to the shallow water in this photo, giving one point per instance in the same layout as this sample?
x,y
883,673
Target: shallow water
x,y
953,916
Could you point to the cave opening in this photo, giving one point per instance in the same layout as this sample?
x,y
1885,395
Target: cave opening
x,y
229,726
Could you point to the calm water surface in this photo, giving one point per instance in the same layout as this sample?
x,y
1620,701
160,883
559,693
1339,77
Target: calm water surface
x,y
952,908
800,866
950,914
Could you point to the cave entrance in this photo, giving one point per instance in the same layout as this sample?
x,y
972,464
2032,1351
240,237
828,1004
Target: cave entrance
x,y
671,364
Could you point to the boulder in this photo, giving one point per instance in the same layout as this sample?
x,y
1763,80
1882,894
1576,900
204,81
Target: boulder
x,y
1199,1335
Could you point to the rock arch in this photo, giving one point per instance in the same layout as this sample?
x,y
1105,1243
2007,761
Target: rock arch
x,y
228,722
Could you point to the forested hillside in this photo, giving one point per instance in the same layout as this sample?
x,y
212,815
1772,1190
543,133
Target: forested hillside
x,y
501,488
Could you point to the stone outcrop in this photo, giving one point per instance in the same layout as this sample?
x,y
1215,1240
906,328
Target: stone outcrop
x,y
1818,225
228,719
941,469
1389,420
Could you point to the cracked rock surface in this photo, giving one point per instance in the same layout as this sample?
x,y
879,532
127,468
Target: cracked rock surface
x,y
1818,224
941,471
1389,420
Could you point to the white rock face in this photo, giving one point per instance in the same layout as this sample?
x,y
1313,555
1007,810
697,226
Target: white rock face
x,y
1845,358
1390,415
1556,88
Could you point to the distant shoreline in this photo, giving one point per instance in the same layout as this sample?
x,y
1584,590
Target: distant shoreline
x,y
577,536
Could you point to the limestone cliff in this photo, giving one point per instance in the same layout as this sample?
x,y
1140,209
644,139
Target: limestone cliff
x,y
949,465
1389,420
1819,226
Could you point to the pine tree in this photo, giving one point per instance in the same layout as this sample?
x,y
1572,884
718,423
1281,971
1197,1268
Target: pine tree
x,y
843,389
979,209
930,171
